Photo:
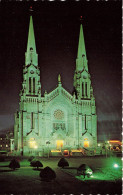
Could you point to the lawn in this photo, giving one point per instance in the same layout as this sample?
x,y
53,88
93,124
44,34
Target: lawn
x,y
106,178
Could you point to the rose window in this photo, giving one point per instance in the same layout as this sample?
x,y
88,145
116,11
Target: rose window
x,y
58,114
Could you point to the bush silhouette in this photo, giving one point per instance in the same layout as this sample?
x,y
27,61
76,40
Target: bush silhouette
x,y
31,158
36,163
47,174
84,170
2,158
63,163
33,161
14,164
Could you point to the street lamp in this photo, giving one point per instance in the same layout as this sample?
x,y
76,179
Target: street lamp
x,y
106,145
116,165
48,142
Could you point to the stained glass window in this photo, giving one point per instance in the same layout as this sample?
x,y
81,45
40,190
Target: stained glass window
x,y
58,114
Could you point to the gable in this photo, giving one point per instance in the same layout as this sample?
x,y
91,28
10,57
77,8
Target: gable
x,y
59,99
85,74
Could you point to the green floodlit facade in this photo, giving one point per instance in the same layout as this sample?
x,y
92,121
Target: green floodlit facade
x,y
58,120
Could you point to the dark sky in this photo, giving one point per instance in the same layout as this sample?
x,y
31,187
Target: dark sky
x,y
56,27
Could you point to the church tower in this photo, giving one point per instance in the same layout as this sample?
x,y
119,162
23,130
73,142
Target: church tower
x,y
84,93
82,82
27,119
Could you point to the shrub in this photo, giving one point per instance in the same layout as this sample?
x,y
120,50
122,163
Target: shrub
x,y
47,174
31,158
2,158
14,164
63,163
36,163
84,170
32,162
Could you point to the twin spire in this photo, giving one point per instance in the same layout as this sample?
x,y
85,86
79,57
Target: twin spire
x,y
81,61
81,45
31,56
31,37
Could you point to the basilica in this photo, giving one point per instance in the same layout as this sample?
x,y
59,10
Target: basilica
x,y
56,121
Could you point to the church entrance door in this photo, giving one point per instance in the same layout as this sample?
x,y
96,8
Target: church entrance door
x,y
59,144
86,144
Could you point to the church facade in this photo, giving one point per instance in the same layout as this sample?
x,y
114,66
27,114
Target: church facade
x,y
58,120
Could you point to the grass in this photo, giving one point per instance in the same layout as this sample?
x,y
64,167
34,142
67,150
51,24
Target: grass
x,y
26,180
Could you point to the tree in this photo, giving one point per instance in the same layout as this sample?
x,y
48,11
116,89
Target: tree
x,y
31,158
84,170
63,163
47,174
36,163
14,164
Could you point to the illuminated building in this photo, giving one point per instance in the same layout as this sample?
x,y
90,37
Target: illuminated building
x,y
7,142
58,120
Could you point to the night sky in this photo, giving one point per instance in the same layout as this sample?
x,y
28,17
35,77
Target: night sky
x,y
56,27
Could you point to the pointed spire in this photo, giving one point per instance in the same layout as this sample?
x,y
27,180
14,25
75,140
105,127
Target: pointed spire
x,y
81,61
59,80
31,55
31,37
81,46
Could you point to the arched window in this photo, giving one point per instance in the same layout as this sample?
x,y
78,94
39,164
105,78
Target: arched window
x,y
59,120
32,120
82,89
33,85
29,84
86,89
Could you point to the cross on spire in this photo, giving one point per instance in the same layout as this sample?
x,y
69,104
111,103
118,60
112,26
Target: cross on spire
x,y
30,9
81,19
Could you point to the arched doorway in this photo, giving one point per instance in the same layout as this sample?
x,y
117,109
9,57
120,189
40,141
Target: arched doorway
x,y
59,141
59,144
86,143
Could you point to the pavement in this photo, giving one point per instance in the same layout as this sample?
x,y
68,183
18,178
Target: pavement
x,y
69,184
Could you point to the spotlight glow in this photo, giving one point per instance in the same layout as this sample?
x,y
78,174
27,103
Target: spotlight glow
x,y
116,165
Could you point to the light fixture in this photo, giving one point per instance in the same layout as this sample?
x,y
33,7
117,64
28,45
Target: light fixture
x,y
116,165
